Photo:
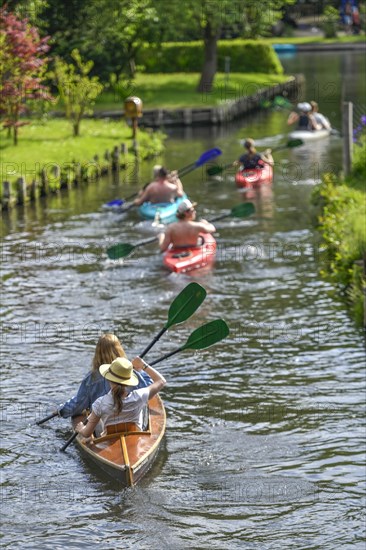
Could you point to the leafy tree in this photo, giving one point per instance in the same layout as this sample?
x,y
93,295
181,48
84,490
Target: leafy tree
x,y
22,69
117,30
212,20
77,90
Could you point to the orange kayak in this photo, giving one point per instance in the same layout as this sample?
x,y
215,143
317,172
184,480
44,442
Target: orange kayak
x,y
254,177
181,260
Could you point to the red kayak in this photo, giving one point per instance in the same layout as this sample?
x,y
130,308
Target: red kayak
x,y
254,177
181,260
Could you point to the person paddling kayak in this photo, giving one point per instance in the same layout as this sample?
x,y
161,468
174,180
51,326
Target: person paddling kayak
x,y
186,230
94,385
165,188
123,403
251,159
320,119
304,118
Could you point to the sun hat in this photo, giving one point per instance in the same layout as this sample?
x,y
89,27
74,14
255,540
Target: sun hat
x,y
305,107
119,371
185,205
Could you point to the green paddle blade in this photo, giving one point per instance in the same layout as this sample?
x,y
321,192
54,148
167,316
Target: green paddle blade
x,y
243,210
207,335
120,250
294,143
185,304
213,170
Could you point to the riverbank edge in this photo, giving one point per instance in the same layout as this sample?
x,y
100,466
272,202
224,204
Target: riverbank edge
x,y
155,118
333,47
51,179
336,204
233,109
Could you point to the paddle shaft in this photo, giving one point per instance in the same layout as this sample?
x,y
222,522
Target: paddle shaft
x,y
166,356
47,418
153,342
146,241
182,307
205,157
290,144
71,439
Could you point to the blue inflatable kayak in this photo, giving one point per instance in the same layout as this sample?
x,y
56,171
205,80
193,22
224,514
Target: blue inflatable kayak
x,y
165,211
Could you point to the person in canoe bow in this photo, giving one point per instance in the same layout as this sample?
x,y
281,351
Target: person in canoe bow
x,y
320,119
122,404
94,385
304,118
251,159
186,230
165,188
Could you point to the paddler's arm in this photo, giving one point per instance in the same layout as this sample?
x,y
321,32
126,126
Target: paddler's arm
x,y
87,430
158,379
164,240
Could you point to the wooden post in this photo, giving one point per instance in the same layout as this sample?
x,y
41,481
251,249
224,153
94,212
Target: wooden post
x,y
33,190
347,131
22,190
77,170
107,158
115,159
7,199
44,182
98,168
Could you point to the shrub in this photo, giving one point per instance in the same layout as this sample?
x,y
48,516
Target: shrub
x,y
245,56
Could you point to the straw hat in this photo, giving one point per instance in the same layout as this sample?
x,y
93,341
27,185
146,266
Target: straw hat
x,y
120,371
185,205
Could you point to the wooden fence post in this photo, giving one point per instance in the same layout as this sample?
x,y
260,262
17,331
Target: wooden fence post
x,y
347,131
21,190
7,199
44,182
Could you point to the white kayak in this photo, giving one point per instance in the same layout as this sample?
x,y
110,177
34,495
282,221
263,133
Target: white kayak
x,y
309,135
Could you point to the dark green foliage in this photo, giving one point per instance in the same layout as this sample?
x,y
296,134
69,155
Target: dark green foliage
x,y
245,56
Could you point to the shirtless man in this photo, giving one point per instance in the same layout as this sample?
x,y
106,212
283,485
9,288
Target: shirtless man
x,y
165,188
184,232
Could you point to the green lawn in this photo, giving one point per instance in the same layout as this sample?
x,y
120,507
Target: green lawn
x,y
178,90
52,143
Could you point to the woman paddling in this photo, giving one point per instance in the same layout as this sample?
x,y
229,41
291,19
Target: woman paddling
x,y
94,385
122,404
251,159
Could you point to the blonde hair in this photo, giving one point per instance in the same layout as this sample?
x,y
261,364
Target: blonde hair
x,y
108,348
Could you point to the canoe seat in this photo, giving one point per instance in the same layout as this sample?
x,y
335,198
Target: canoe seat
x,y
122,427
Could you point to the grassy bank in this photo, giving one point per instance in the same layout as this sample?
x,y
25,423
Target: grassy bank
x,y
178,90
51,143
341,219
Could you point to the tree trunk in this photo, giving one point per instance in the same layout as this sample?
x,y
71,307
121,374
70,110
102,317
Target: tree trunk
x,y
15,135
210,61
76,127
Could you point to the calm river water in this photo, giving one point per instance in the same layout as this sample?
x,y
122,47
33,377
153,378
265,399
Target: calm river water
x,y
264,446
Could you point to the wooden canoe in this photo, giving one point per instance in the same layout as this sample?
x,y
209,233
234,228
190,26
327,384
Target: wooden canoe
x,y
127,455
